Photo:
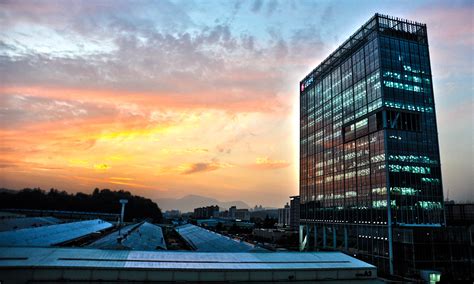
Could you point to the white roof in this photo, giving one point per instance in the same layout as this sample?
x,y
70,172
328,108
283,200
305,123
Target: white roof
x,y
52,234
23,265
82,257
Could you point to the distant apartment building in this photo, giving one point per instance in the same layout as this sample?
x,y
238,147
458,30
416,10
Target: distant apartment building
x,y
172,214
284,216
242,214
370,171
206,212
262,214
294,212
258,208
232,211
235,214
289,215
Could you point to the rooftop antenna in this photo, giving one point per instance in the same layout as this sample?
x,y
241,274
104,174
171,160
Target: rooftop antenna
x,y
123,202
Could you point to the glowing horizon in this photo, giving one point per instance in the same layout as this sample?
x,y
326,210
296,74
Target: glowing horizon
x,y
171,98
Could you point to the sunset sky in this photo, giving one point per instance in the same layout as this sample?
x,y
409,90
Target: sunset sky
x,y
169,98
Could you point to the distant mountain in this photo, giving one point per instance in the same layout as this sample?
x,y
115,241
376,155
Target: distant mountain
x,y
189,202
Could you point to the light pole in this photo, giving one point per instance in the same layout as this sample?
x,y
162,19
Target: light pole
x,y
123,202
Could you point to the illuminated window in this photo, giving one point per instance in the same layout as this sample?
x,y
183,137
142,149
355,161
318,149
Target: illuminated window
x,y
409,169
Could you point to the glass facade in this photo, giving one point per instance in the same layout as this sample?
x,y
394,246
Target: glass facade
x,y
369,155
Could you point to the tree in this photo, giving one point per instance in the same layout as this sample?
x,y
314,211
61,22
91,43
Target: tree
x,y
269,223
104,201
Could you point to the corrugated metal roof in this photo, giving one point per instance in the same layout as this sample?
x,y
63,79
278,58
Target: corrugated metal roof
x,y
110,241
53,234
207,241
144,236
10,224
24,265
81,257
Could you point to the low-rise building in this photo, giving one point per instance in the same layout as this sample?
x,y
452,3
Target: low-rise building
x,y
270,235
54,265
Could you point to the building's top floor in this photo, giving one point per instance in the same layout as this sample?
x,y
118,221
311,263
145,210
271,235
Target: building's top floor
x,y
387,25
242,210
212,207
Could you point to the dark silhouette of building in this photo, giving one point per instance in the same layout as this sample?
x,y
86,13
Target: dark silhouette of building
x,y
370,174
294,212
235,214
284,216
232,211
206,212
459,214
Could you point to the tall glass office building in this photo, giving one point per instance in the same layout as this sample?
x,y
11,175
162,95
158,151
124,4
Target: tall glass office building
x,y
369,154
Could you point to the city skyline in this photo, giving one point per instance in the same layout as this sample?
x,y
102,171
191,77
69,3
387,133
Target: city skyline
x,y
167,99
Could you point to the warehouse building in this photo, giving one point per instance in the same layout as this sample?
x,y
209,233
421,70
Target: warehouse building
x,y
58,265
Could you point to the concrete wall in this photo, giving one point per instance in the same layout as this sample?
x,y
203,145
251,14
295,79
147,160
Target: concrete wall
x,y
24,275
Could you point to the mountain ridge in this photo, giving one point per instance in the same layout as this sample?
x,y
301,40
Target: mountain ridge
x,y
187,203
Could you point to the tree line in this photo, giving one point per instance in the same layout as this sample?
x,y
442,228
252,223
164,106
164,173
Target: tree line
x,y
103,201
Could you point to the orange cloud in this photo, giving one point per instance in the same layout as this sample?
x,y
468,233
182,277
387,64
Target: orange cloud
x,y
203,167
241,101
101,167
121,178
133,185
266,163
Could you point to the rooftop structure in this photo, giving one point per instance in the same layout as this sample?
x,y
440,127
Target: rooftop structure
x,y
109,241
203,240
9,224
143,236
146,237
52,234
21,265
8,215
73,215
211,223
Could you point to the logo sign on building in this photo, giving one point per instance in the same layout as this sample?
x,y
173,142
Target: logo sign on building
x,y
306,83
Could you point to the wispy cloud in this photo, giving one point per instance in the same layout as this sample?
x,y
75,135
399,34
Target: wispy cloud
x,y
194,168
269,164
101,167
121,178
